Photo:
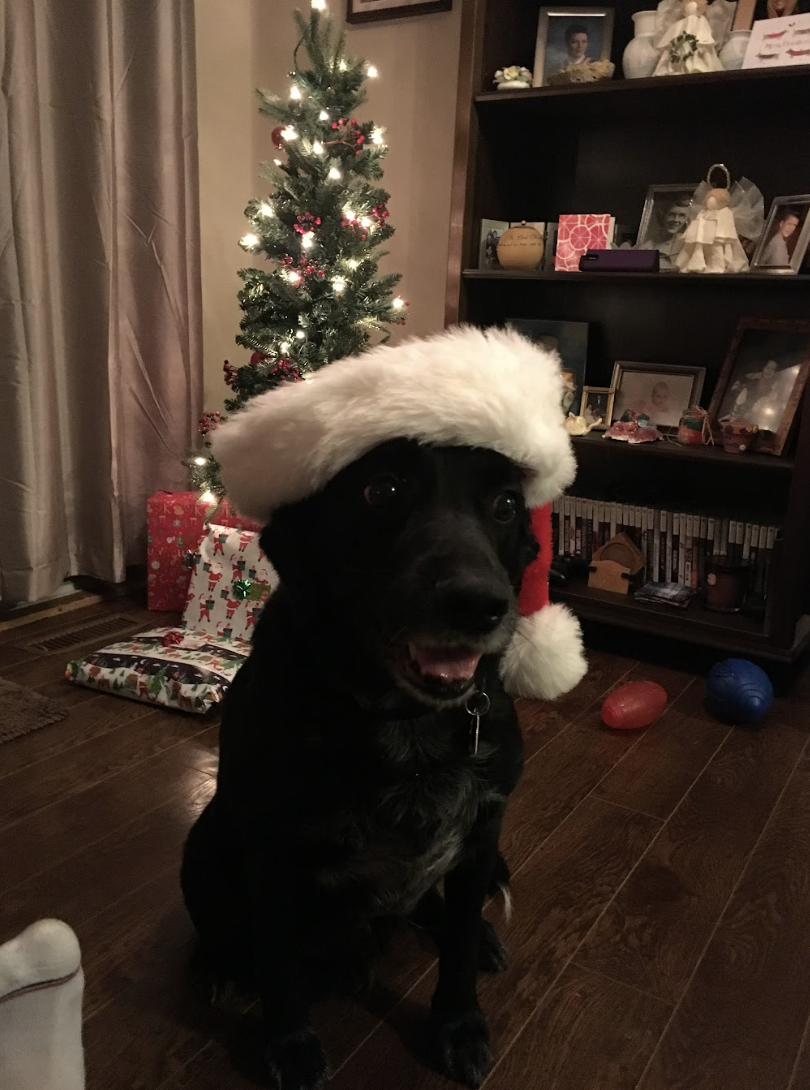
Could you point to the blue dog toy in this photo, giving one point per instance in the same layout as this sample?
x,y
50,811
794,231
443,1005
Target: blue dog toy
x,y
738,692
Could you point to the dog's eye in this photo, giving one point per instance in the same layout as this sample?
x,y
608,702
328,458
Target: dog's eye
x,y
383,491
505,506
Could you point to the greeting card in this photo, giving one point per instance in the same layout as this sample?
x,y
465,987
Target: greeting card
x,y
579,233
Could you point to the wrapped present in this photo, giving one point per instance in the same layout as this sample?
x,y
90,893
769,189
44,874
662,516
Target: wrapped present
x,y
230,583
170,667
176,523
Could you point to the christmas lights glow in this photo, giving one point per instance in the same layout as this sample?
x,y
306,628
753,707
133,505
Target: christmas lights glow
x,y
335,174
266,209
343,66
300,335
249,241
285,347
308,240
318,148
372,72
339,284
199,461
398,303
289,133
377,136
295,92
323,115
292,276
349,214
352,263
208,497
365,222
319,5
277,162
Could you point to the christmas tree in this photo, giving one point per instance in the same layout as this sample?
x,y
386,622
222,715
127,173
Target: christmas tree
x,y
320,228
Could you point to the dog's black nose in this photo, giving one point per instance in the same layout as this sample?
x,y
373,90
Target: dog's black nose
x,y
470,605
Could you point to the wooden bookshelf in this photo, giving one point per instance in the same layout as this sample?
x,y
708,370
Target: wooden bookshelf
x,y
596,148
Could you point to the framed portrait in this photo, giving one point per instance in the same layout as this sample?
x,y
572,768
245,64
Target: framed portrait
x,y
570,36
787,233
368,11
763,379
491,231
597,404
666,215
658,391
570,340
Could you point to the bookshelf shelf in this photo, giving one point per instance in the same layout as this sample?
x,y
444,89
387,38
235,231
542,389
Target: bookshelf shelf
x,y
539,153
711,456
729,632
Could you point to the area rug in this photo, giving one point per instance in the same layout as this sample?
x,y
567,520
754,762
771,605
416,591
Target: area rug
x,y
23,710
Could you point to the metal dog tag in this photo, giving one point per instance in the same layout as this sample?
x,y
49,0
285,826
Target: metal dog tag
x,y
476,706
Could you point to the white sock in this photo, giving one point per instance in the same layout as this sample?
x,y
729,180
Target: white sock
x,y
41,987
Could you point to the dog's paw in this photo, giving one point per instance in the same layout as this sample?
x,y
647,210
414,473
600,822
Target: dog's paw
x,y
297,1062
465,1049
491,954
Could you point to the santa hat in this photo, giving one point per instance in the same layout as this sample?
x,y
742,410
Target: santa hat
x,y
464,387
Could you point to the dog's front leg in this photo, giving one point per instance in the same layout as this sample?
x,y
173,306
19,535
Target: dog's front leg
x,y
294,1055
465,1048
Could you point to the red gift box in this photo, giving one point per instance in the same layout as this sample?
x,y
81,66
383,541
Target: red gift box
x,y
176,523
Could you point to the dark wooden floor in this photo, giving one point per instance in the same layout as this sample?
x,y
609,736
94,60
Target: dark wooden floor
x,y
661,935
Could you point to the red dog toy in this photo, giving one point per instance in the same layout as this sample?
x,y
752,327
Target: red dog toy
x,y
633,705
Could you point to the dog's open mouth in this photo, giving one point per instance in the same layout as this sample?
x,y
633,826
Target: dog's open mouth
x,y
441,671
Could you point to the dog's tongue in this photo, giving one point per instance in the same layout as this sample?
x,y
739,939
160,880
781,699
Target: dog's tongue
x,y
446,663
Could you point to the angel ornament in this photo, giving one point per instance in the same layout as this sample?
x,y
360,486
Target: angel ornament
x,y
688,45
711,243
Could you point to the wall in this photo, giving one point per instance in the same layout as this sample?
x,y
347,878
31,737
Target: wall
x,y
244,44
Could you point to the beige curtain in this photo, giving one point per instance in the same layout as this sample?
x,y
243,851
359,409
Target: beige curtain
x,y
100,361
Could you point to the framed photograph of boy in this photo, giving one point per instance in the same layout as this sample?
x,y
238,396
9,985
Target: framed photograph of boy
x,y
787,233
597,405
570,341
570,36
763,379
664,221
659,391
367,11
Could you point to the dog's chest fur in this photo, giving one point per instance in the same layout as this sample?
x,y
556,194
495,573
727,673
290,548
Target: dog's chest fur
x,y
407,827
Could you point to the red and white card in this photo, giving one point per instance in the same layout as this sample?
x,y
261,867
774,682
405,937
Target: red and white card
x,y
579,233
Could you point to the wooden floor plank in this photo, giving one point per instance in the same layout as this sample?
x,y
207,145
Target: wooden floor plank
x,y
743,1016
589,1032
79,769
58,832
566,770
655,775
654,931
558,894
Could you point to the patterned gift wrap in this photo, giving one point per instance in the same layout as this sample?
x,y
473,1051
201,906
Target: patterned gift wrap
x,y
176,524
170,667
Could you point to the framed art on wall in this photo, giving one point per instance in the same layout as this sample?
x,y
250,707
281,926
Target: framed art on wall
x,y
571,36
763,379
368,11
658,391
787,233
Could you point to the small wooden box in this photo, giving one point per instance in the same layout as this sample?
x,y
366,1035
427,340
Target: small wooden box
x,y
615,565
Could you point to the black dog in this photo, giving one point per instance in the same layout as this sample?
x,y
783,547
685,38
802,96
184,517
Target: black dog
x,y
351,780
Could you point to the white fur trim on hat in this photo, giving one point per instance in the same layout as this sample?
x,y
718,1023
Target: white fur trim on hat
x,y
464,387
545,658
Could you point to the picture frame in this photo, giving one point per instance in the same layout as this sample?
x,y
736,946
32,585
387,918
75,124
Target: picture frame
x,y
488,238
660,391
749,388
599,401
372,11
570,340
783,244
570,35
664,219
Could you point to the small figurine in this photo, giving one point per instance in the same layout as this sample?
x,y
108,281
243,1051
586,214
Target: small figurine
x,y
711,243
633,429
688,45
578,425
513,78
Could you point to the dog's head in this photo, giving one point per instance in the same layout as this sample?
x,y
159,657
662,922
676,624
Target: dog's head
x,y
412,557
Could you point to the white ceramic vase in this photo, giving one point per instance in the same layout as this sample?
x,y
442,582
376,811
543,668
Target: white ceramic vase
x,y
733,52
640,57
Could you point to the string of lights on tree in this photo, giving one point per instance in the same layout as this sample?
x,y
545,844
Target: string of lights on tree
x,y
320,229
